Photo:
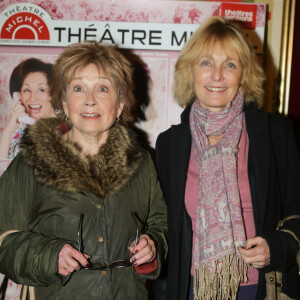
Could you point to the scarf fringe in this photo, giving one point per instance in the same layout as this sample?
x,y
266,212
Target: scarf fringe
x,y
221,283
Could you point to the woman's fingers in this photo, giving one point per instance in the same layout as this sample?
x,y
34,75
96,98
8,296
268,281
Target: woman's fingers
x,y
144,252
17,110
256,252
70,259
131,247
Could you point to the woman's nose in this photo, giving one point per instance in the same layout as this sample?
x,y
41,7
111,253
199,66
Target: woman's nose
x,y
217,73
33,97
90,99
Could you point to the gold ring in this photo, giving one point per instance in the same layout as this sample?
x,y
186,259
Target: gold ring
x,y
66,267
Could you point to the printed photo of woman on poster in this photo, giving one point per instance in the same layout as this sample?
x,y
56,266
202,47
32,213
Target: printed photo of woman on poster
x,y
29,89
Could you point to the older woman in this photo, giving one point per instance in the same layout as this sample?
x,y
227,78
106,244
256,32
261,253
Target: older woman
x,y
82,194
229,173
29,88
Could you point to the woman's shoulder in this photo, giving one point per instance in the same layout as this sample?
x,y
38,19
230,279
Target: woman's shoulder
x,y
42,132
181,129
18,168
274,119
280,128
176,134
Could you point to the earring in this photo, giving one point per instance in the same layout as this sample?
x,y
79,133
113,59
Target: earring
x,y
118,119
68,120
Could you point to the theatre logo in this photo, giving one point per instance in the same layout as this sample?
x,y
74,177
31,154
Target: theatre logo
x,y
24,23
244,14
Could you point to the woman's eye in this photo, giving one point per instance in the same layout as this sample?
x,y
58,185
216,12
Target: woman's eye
x,y
205,63
77,89
103,89
25,90
44,89
231,65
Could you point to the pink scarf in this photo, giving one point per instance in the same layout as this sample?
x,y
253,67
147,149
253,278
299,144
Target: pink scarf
x,y
218,269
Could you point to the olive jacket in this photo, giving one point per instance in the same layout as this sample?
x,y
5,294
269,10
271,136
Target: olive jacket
x,y
273,171
44,191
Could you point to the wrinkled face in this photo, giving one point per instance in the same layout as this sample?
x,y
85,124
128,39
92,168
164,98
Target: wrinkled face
x,y
92,103
35,96
217,77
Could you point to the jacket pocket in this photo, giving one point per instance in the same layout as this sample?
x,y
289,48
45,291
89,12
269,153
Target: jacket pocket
x,y
274,285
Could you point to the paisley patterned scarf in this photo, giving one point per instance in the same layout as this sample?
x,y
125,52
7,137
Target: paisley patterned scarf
x,y
218,268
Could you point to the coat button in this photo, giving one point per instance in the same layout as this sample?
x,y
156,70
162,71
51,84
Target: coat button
x,y
100,240
103,273
271,279
98,205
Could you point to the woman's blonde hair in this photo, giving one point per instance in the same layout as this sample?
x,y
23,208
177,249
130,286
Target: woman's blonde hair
x,y
218,30
108,59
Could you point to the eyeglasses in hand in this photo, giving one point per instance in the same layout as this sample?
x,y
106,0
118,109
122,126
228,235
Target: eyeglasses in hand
x,y
118,264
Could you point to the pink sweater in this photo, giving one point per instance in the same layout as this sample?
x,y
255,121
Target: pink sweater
x,y
191,192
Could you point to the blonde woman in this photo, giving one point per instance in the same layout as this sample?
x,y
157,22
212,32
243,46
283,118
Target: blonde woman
x,y
229,174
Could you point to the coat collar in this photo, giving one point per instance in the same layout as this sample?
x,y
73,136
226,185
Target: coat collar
x,y
62,165
185,115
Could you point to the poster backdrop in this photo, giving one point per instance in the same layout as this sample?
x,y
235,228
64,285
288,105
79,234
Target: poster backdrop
x,y
153,30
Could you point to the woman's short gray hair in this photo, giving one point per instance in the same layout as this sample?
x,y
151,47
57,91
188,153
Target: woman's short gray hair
x,y
107,58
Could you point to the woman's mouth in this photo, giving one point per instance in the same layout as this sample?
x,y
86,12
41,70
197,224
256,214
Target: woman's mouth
x,y
216,89
35,108
90,115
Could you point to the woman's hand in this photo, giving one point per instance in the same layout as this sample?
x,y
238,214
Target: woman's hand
x,y
12,125
144,252
16,111
70,259
256,253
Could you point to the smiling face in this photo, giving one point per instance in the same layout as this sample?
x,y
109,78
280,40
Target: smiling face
x,y
217,77
92,104
35,96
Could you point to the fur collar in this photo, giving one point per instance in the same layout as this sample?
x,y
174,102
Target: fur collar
x,y
62,165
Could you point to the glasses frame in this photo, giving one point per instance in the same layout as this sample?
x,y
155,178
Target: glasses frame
x,y
117,264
